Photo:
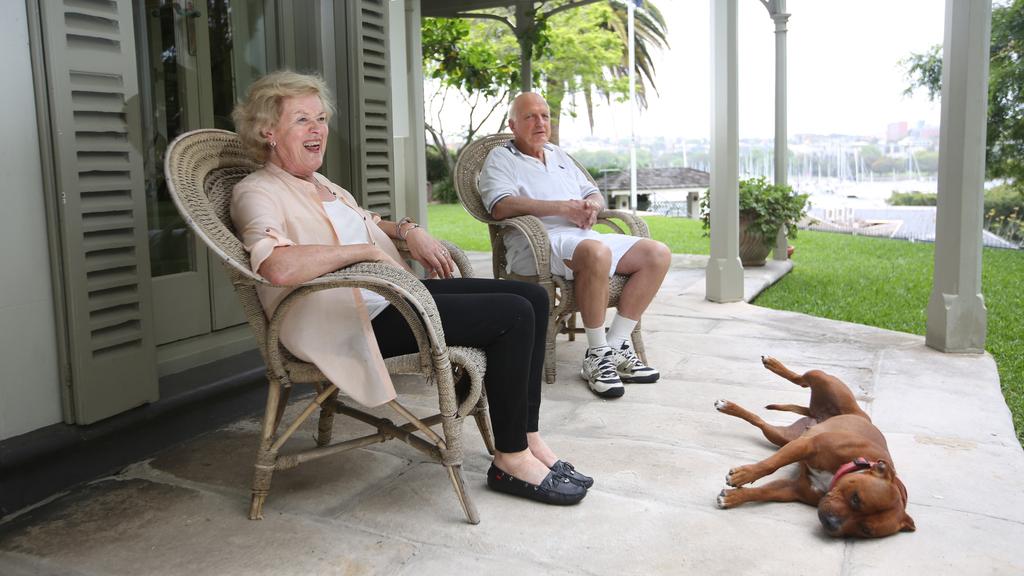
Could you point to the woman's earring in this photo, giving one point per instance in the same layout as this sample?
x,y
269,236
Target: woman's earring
x,y
273,144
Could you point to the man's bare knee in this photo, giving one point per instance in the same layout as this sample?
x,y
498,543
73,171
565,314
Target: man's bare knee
x,y
591,256
661,256
646,254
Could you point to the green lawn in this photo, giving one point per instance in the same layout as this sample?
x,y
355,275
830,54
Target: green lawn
x,y
886,283
452,222
877,282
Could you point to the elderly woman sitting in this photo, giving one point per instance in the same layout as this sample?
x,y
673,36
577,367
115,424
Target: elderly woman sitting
x,y
298,225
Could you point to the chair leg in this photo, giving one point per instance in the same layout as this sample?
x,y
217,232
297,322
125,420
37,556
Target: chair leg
x,y
325,426
455,475
638,343
264,470
483,423
571,327
266,456
282,403
550,362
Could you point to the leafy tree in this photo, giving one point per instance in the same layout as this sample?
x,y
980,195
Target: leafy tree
x,y
869,154
540,33
570,67
927,161
569,46
474,65
581,46
888,164
1005,131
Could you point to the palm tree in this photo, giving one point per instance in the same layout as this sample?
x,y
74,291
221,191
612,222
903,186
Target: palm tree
x,y
650,33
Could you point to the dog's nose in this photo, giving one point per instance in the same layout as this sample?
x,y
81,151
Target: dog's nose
x,y
831,522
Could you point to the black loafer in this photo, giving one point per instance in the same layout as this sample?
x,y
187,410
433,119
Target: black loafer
x,y
553,489
566,470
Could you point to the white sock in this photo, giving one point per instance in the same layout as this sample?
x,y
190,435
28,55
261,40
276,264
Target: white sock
x,y
620,331
595,337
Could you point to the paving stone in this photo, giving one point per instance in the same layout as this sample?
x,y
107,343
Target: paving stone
x,y
324,487
138,527
957,474
610,534
946,542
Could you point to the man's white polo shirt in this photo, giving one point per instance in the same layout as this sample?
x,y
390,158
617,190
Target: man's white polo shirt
x,y
509,172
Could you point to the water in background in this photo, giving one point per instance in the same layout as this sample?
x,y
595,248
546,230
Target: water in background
x,y
852,207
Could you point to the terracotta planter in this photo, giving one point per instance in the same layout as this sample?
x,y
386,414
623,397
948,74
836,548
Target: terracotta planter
x,y
754,247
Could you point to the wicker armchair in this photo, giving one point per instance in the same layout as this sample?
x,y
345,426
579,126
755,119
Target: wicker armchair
x,y
560,289
201,168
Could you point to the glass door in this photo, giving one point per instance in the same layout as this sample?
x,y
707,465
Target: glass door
x,y
198,58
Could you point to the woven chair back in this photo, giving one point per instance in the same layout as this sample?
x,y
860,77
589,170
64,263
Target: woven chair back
x,y
202,167
467,173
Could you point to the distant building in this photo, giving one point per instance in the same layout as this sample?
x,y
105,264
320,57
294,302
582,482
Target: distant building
x,y
653,185
896,131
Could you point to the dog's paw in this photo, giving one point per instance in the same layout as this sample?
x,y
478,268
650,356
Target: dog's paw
x,y
722,405
725,499
739,476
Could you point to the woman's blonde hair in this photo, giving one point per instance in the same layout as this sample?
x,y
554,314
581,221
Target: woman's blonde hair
x,y
261,108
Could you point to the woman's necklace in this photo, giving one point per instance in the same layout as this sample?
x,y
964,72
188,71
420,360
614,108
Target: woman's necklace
x,y
325,192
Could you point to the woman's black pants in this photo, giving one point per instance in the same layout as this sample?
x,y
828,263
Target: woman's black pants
x,y
508,321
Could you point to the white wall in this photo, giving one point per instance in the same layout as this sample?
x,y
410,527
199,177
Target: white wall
x,y
29,387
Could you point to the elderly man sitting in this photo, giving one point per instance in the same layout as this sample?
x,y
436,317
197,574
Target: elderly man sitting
x,y
529,175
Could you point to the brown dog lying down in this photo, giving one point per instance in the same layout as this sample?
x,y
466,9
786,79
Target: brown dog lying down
x,y
845,466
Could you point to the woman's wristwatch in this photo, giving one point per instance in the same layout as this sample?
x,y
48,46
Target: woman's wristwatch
x,y
406,220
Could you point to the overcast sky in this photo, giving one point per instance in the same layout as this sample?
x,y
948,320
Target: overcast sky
x,y
843,70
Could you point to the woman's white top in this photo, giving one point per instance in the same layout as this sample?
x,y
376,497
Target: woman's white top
x,y
350,230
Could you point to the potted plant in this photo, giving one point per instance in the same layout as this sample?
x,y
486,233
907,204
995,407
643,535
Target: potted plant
x,y
764,209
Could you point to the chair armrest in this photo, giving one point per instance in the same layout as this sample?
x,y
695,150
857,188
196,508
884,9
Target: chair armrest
x,y
458,256
636,225
403,290
537,235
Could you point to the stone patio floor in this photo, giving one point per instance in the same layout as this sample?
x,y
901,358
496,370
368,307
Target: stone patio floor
x,y
659,455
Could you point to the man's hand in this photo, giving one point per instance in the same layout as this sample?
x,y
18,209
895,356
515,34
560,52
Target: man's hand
x,y
430,253
582,213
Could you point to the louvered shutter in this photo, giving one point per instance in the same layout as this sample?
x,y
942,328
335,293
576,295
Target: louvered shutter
x,y
370,96
94,110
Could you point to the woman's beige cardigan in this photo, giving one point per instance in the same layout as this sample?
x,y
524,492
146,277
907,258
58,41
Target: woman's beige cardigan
x,y
331,329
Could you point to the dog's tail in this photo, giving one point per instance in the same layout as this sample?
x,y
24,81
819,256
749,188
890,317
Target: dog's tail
x,y
801,410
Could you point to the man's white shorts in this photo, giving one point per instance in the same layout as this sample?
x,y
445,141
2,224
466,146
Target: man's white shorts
x,y
563,246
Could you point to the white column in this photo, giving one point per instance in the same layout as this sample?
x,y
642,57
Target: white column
x,y
777,9
631,9
414,145
724,274
956,309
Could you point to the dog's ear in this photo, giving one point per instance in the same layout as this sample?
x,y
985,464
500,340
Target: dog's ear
x,y
882,469
908,524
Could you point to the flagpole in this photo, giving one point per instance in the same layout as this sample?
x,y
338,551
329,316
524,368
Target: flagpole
x,y
631,9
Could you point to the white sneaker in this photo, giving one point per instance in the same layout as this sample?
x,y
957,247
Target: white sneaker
x,y
600,373
631,369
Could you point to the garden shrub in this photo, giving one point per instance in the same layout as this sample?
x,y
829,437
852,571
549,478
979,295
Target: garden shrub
x,y
912,199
